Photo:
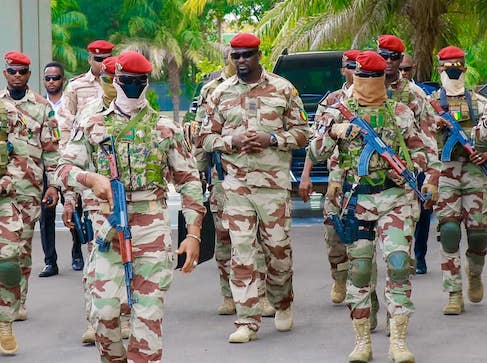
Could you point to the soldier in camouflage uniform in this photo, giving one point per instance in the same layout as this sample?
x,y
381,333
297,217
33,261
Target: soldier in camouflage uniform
x,y
383,206
255,119
10,229
216,199
35,149
147,144
337,252
462,188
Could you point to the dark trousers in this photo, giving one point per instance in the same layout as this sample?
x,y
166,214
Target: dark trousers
x,y
421,233
76,249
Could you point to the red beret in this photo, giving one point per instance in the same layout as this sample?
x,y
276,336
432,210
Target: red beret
x,y
350,55
16,58
245,40
371,61
451,52
392,43
100,47
133,62
108,65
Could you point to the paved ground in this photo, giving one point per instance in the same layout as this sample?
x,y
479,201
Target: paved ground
x,y
195,333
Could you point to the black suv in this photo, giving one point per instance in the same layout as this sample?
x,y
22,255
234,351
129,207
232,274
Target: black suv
x,y
313,74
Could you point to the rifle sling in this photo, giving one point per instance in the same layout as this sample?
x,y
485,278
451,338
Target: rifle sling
x,y
133,122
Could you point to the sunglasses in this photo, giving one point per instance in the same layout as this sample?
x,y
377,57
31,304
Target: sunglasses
x,y
455,64
107,79
57,77
21,71
405,69
98,58
246,55
133,79
351,66
392,55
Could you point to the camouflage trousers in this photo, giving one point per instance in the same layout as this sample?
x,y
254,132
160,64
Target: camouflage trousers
x,y
394,214
10,229
152,276
30,209
223,245
247,212
463,199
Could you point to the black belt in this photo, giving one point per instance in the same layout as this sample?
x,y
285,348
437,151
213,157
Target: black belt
x,y
370,189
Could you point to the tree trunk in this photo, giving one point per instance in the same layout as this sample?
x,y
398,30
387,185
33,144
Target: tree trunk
x,y
174,87
219,27
424,18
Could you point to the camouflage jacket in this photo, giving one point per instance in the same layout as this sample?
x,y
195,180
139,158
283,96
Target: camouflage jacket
x,y
79,92
144,153
271,105
8,118
34,137
399,122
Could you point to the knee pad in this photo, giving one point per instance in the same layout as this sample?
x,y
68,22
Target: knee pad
x,y
360,272
477,241
398,264
450,235
10,273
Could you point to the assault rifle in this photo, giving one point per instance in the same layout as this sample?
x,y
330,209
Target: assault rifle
x,y
118,220
84,228
455,135
375,144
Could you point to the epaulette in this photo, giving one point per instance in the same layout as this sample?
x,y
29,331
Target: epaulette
x,y
40,99
77,77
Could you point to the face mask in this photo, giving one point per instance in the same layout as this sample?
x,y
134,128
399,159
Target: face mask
x,y
370,91
453,87
17,93
453,72
129,104
109,92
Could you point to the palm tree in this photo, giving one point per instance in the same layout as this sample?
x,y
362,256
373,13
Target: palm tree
x,y
67,18
314,24
168,38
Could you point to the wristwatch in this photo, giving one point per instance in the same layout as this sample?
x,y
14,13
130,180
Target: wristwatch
x,y
273,140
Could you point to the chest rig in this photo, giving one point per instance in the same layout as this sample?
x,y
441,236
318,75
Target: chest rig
x,y
382,119
140,157
5,146
401,93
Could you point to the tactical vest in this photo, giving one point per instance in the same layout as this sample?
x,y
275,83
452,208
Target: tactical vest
x,y
465,110
141,160
4,152
382,119
401,93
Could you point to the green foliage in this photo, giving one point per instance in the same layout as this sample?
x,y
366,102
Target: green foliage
x,y
152,97
206,66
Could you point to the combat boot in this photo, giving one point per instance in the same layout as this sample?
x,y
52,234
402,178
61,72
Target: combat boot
x,y
267,309
475,289
455,304
227,307
125,326
398,350
242,335
21,314
374,308
362,352
8,344
283,320
338,291
88,336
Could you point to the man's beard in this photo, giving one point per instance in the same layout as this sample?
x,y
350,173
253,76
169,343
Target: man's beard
x,y
54,91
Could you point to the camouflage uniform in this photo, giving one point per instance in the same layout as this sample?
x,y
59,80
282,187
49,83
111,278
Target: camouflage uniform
x,y
462,199
79,92
217,198
386,206
10,222
144,152
256,186
34,138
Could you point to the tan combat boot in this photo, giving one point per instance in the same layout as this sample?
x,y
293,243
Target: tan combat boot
x,y
475,289
125,326
8,344
227,307
242,335
267,309
374,308
88,336
283,321
455,304
338,291
22,313
398,350
362,352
